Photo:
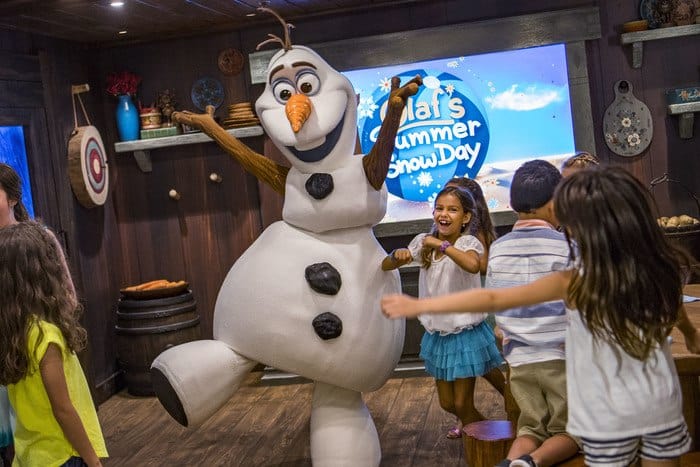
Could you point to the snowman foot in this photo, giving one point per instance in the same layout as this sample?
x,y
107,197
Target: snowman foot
x,y
342,430
195,379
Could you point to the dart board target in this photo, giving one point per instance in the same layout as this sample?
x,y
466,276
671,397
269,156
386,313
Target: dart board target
x,y
87,167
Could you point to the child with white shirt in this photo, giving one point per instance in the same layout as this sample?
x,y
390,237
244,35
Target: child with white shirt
x,y
456,348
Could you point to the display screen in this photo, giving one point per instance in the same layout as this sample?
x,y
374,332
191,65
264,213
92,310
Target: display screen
x,y
13,152
478,116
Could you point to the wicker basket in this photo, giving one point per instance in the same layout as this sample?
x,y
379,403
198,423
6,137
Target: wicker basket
x,y
685,236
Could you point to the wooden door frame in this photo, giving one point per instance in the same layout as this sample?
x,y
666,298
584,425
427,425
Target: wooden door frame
x,y
42,172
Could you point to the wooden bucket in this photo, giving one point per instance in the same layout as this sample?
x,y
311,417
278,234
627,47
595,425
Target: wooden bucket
x,y
487,442
145,328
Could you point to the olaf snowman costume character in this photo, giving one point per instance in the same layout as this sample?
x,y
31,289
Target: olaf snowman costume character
x,y
304,297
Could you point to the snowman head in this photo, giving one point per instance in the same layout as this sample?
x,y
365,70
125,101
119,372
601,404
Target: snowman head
x,y
309,110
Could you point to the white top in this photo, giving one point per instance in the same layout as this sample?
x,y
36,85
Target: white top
x,y
444,276
613,395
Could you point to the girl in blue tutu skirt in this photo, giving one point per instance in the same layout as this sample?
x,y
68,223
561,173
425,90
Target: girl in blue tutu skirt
x,y
456,348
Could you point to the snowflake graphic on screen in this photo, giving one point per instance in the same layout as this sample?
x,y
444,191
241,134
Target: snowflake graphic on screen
x,y
425,179
366,107
385,84
449,89
453,64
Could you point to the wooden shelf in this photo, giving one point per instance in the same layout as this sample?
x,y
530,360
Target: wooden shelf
x,y
637,38
686,115
142,148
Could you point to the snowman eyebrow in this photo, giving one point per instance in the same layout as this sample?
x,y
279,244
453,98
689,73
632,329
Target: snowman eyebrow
x,y
275,70
295,64
311,65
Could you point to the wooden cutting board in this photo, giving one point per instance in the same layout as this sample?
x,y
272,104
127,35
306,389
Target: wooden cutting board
x,y
627,123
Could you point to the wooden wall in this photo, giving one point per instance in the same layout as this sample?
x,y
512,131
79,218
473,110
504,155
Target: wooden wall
x,y
141,234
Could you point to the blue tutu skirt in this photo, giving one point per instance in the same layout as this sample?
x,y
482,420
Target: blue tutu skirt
x,y
470,353
5,419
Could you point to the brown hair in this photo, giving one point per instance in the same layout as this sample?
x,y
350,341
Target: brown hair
x,y
34,285
11,184
625,295
482,225
580,160
468,206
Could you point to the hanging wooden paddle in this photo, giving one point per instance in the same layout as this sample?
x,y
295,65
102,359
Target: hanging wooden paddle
x,y
87,160
627,123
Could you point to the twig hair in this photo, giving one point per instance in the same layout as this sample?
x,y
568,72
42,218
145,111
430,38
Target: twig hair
x,y
287,42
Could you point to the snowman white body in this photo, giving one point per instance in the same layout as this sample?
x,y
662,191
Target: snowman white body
x,y
265,307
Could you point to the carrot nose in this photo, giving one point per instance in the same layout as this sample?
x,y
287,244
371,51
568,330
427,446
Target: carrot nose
x,y
298,109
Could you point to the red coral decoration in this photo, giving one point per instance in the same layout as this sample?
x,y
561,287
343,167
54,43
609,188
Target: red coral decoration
x,y
123,82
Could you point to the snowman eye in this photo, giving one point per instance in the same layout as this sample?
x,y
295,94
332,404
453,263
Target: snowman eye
x,y
282,90
308,83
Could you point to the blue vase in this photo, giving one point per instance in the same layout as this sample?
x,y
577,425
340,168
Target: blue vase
x,y
127,119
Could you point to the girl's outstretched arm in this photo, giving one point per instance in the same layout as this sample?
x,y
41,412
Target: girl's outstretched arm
x,y
54,378
691,335
396,259
548,288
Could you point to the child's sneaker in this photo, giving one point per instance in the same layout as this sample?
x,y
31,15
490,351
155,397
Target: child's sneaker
x,y
455,432
523,461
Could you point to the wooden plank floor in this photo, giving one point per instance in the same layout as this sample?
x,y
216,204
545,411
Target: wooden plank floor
x,y
267,424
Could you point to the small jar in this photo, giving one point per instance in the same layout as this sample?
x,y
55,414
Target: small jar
x,y
150,120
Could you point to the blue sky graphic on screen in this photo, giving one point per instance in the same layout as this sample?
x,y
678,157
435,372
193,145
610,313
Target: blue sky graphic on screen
x,y
478,116
13,153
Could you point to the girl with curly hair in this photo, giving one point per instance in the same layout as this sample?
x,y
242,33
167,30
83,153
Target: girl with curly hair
x,y
39,336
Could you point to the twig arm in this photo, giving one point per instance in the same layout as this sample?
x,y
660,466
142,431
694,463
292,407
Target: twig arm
x,y
376,162
258,165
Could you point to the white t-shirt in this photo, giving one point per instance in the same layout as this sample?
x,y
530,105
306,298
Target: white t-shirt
x,y
613,395
444,276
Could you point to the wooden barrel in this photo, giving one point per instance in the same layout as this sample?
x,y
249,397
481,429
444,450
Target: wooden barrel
x,y
145,328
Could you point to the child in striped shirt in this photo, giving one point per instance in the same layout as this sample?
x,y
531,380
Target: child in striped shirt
x,y
533,336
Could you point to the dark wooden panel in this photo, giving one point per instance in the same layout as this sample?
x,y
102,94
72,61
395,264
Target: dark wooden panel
x,y
92,237
18,67
90,21
20,94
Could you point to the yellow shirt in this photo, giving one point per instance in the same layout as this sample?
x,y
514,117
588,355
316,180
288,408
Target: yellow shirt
x,y
39,439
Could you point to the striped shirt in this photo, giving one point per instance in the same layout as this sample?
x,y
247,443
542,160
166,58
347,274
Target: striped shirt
x,y
532,250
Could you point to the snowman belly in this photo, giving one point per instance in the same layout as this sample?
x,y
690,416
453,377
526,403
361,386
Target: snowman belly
x,y
266,307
